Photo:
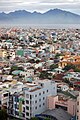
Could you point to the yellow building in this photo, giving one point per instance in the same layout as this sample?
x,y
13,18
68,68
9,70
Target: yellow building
x,y
3,53
75,60
62,64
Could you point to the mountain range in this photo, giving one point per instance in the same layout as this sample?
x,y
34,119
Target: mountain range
x,y
53,16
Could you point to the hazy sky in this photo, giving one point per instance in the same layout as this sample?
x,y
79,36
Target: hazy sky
x,y
39,5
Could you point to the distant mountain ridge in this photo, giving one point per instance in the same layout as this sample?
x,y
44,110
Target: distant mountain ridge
x,y
53,16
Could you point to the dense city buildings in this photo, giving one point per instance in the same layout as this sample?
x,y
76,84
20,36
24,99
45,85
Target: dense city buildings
x,y
40,73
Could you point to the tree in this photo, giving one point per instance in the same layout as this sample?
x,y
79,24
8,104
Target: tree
x,y
34,118
15,67
53,66
71,66
77,69
37,61
47,119
3,114
68,67
45,75
58,55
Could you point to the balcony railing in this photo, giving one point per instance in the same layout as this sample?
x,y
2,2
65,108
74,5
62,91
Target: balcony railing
x,y
62,103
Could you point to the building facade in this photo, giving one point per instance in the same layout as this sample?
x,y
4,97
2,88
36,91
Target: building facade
x,y
78,107
33,100
68,105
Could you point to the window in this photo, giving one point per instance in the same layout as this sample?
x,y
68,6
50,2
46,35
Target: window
x,y
17,113
6,95
39,100
35,95
39,93
41,84
43,98
23,102
53,87
27,108
36,101
36,107
43,103
78,103
77,117
77,110
27,102
27,95
39,105
31,102
47,91
27,113
23,109
23,115
30,115
43,92
30,96
17,106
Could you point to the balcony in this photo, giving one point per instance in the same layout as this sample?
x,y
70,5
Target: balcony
x,y
62,103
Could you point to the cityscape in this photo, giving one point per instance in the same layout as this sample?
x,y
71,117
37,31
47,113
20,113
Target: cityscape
x,y
40,72
40,60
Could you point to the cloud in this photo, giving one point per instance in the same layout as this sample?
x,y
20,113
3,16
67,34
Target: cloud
x,y
38,5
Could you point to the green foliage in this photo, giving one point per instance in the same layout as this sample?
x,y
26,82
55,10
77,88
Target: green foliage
x,y
37,61
66,81
57,55
53,66
47,119
68,67
76,70
45,75
71,66
13,68
34,118
3,114
68,94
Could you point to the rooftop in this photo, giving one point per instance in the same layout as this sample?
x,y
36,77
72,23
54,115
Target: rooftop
x,y
59,114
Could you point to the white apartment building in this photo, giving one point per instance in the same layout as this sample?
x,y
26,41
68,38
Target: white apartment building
x,y
28,73
3,99
36,96
7,88
35,99
12,55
